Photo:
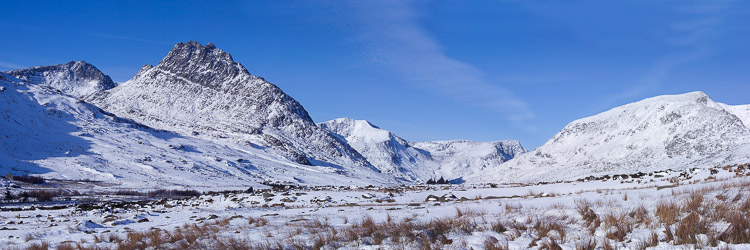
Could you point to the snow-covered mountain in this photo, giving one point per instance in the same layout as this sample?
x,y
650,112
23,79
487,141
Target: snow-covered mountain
x,y
671,131
421,160
77,78
47,131
463,158
200,119
201,91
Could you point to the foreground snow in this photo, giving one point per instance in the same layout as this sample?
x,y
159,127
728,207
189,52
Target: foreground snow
x,y
626,213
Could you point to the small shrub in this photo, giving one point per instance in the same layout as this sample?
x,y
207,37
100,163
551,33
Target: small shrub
x,y
173,193
41,195
688,228
39,246
494,244
738,231
585,244
617,227
587,214
30,179
667,212
550,245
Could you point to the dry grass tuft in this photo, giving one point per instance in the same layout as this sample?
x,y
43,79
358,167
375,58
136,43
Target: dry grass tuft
x,y
588,215
688,229
618,227
585,244
667,212
738,231
493,244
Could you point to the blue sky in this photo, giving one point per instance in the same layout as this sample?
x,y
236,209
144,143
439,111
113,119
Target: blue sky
x,y
427,70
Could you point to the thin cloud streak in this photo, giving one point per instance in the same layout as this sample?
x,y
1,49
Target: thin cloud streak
x,y
693,36
393,38
11,66
125,38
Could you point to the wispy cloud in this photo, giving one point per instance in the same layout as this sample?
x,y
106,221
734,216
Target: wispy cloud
x,y
393,37
10,66
691,39
125,38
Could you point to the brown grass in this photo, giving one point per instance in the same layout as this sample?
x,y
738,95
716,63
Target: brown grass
x,y
585,244
667,212
738,231
689,227
618,227
39,246
546,225
493,244
588,215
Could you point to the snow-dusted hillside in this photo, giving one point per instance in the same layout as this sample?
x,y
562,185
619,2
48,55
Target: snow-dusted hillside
x,y
462,158
422,160
77,78
201,91
47,131
386,151
199,119
671,131
741,111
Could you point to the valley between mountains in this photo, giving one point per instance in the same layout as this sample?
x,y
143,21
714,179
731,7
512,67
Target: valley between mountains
x,y
200,119
196,152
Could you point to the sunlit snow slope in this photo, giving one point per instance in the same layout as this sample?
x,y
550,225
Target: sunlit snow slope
x,y
671,131
421,161
201,91
45,130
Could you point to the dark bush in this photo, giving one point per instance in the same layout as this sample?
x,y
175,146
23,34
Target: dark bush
x,y
41,195
172,193
129,192
30,179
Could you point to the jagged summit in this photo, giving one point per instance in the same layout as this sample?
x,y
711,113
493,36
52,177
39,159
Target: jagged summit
x,y
202,64
200,91
75,78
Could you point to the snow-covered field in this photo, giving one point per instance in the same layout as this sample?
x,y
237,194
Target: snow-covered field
x,y
167,160
694,209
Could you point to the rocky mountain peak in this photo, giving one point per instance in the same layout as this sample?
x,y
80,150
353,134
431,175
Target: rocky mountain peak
x,y
75,78
201,64
201,91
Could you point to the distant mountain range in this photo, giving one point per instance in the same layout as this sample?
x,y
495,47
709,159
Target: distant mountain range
x,y
663,132
199,119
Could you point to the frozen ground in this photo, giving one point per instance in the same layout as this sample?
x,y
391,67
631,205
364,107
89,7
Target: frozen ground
x,y
694,209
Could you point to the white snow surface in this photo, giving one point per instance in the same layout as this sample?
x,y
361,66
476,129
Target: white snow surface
x,y
664,132
201,91
200,120
77,78
56,135
420,161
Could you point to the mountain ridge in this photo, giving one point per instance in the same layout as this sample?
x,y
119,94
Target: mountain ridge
x,y
199,90
668,131
420,161
75,78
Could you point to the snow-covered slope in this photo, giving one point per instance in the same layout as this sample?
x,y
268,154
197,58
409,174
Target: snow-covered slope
x,y
462,158
422,160
386,151
741,111
77,78
671,131
201,91
46,130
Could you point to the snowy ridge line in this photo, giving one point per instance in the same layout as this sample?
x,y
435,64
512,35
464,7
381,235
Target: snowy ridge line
x,y
235,129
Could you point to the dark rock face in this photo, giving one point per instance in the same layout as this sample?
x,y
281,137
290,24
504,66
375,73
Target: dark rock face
x,y
201,89
76,78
